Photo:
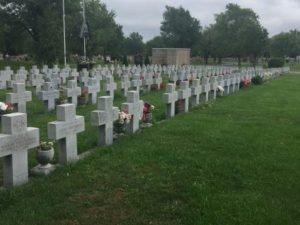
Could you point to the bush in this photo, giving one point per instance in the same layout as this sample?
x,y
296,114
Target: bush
x,y
276,62
257,80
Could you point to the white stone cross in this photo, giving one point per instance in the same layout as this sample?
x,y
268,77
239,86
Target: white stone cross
x,y
125,85
213,86
4,78
93,88
196,91
64,74
148,80
48,94
74,74
19,97
227,82
157,80
170,97
110,86
184,94
133,106
136,83
72,91
36,81
84,76
65,130
205,87
103,118
16,138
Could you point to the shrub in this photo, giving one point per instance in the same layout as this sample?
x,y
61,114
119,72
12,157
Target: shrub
x,y
257,80
276,62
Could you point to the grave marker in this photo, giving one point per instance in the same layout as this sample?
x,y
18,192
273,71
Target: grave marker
x,y
48,94
133,106
110,86
72,91
103,118
65,130
196,91
15,140
93,88
170,98
19,97
183,94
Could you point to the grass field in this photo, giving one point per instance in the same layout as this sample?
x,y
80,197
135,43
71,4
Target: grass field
x,y
235,161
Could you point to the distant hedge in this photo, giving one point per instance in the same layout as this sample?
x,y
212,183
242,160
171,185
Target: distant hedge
x,y
276,62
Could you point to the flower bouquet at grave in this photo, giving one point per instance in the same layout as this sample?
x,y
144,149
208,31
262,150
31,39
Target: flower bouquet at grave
x,y
122,121
147,112
45,145
5,108
244,83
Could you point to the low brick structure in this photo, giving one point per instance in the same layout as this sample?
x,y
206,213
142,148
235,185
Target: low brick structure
x,y
171,56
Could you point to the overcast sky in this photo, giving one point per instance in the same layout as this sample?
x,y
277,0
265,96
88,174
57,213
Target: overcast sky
x,y
145,16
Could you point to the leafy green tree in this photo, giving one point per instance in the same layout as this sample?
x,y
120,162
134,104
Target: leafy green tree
x,y
42,21
179,28
134,44
156,42
285,44
239,32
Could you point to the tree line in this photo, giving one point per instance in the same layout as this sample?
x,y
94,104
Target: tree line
x,y
35,27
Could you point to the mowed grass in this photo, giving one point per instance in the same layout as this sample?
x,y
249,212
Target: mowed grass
x,y
235,161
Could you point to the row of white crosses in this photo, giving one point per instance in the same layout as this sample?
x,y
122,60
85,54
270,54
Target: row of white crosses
x,y
16,139
206,87
49,93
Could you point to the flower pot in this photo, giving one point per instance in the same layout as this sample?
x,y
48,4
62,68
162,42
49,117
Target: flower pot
x,y
44,157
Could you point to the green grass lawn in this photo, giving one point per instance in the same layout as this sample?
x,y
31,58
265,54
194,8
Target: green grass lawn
x,y
235,161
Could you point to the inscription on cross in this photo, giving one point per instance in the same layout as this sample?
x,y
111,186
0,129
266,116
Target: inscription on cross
x,y
103,118
65,130
16,138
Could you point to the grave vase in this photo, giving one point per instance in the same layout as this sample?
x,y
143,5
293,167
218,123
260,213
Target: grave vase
x,y
44,157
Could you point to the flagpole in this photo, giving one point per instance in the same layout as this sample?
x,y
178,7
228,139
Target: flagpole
x,y
84,41
64,32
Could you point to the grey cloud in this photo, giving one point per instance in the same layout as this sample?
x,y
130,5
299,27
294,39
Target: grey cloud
x,y
145,16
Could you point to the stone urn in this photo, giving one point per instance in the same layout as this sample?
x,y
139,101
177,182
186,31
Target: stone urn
x,y
44,157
